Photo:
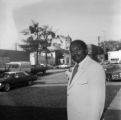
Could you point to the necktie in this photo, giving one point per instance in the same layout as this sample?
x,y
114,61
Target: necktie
x,y
74,72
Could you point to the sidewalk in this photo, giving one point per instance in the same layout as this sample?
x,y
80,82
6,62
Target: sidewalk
x,y
116,103
113,112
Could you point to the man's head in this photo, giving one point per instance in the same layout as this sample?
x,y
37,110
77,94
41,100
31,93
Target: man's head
x,y
78,50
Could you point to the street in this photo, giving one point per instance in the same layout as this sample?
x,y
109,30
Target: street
x,y
46,100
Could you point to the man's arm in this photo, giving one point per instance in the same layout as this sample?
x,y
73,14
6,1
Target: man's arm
x,y
96,93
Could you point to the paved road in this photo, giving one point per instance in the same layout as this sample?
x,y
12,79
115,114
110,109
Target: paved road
x,y
52,77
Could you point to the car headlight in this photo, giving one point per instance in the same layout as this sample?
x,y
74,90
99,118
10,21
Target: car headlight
x,y
0,84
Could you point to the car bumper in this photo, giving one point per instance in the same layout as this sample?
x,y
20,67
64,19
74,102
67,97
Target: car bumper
x,y
116,78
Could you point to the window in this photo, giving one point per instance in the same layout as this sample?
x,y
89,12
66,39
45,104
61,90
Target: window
x,y
20,74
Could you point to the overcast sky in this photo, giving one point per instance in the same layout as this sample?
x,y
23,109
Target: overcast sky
x,y
81,19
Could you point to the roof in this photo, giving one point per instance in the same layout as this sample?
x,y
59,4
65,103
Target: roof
x,y
11,72
18,62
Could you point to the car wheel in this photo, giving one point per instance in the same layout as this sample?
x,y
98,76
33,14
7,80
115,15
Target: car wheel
x,y
7,87
30,82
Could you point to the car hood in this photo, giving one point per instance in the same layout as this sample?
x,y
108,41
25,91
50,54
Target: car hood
x,y
114,70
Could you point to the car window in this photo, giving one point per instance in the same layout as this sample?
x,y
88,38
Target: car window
x,y
6,75
14,66
26,74
21,74
117,66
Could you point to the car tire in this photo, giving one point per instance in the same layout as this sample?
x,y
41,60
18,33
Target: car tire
x,y
7,87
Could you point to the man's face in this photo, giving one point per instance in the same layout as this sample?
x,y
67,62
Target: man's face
x,y
77,53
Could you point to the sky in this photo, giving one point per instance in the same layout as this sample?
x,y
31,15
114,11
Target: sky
x,y
81,19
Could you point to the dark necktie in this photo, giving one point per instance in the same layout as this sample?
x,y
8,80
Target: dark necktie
x,y
74,72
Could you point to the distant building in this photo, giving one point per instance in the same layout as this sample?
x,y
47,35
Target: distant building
x,y
114,56
60,47
62,42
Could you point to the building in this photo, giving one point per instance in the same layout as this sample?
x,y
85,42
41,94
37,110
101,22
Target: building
x,y
62,42
114,56
60,48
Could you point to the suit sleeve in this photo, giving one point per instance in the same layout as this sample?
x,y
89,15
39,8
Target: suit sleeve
x,y
96,92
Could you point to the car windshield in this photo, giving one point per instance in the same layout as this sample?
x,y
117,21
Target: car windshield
x,y
12,65
113,67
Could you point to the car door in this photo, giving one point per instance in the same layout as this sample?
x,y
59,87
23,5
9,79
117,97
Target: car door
x,y
17,78
24,77
9,78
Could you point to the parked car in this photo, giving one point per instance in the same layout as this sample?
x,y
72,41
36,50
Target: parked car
x,y
113,72
63,66
39,68
50,66
11,79
2,70
19,66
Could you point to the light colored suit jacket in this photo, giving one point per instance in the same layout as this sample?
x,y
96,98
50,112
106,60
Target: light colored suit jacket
x,y
86,92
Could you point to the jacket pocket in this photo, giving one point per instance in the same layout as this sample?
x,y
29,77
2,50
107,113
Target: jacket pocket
x,y
82,82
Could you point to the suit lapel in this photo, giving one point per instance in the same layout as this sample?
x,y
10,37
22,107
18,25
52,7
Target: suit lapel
x,y
75,70
82,68
74,80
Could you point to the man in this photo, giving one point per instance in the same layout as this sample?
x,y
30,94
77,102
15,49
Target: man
x,y
86,89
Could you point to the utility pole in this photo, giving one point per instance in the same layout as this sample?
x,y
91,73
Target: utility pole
x,y
104,40
98,44
37,43
98,41
104,44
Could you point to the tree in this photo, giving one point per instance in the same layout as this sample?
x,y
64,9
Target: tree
x,y
39,38
46,35
29,45
111,45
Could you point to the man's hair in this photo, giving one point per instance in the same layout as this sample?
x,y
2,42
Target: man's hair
x,y
79,43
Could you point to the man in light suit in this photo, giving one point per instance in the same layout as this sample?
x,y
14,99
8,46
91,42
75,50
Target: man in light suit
x,y
86,89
